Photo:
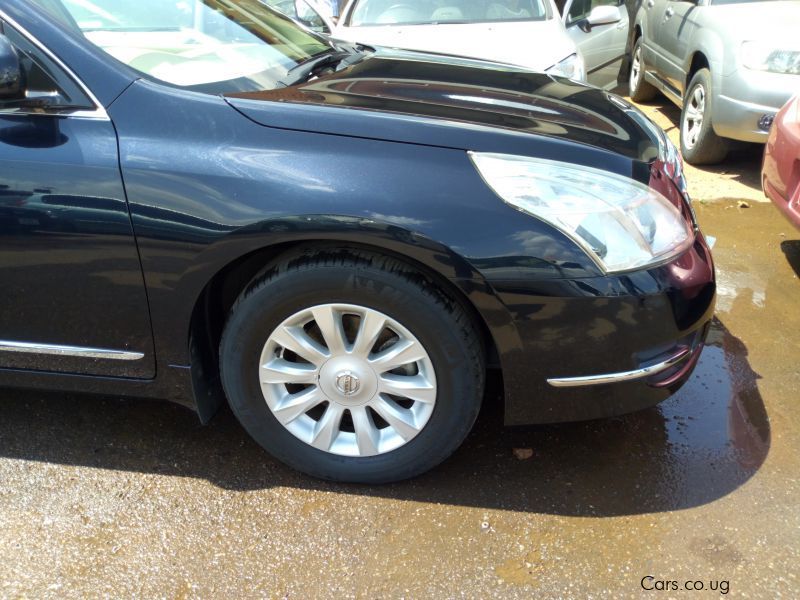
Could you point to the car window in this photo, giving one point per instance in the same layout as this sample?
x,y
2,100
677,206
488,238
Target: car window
x,y
217,46
426,12
302,12
44,78
580,9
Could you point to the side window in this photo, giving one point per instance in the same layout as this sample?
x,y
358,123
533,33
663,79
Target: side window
x,y
580,9
300,11
45,80
310,17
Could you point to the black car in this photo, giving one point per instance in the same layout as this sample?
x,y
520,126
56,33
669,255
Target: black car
x,y
204,202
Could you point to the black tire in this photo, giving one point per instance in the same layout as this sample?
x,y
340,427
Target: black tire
x,y
640,90
323,276
707,148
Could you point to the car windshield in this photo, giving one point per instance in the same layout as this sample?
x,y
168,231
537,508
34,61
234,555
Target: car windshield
x,y
216,46
431,12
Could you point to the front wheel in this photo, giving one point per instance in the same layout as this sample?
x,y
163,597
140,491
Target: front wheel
x,y
639,89
352,367
700,145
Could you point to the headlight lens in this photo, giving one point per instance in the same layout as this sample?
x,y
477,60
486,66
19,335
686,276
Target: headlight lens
x,y
764,56
672,158
620,223
571,67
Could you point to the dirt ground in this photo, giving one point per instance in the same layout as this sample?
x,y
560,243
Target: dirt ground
x,y
101,497
737,178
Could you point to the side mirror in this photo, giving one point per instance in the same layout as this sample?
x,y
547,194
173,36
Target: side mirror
x,y
12,77
603,15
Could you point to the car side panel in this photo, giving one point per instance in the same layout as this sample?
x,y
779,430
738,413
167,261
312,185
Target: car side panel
x,y
207,186
652,12
674,36
68,259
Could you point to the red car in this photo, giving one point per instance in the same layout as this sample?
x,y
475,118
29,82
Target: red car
x,y
780,175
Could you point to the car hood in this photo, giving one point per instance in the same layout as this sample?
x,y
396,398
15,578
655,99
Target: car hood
x,y
768,21
443,101
535,45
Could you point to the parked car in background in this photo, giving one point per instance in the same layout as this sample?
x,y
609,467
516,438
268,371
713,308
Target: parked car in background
x,y
590,37
600,30
313,14
730,65
329,8
216,204
780,174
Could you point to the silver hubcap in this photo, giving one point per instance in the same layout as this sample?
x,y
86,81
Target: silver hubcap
x,y
348,380
693,116
636,68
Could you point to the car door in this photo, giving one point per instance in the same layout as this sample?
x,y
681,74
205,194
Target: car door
x,y
676,27
602,46
653,16
73,296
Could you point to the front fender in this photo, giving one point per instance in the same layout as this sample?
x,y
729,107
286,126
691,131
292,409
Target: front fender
x,y
270,238
708,44
276,237
208,188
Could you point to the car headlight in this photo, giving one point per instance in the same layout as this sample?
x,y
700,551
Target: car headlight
x,y
672,158
571,67
765,56
620,223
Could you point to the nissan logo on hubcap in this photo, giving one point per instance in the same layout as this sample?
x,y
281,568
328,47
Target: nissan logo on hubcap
x,y
347,383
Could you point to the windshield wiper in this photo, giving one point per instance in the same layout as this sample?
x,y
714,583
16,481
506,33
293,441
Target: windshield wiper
x,y
340,59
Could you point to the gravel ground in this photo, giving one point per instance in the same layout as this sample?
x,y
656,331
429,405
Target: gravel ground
x,y
101,497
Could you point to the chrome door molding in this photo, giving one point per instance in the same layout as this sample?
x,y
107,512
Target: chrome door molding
x,y
76,351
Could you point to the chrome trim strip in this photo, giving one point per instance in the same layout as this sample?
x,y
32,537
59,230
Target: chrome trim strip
x,y
623,376
97,114
99,111
78,351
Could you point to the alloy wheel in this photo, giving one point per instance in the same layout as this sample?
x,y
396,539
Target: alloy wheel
x,y
693,116
636,68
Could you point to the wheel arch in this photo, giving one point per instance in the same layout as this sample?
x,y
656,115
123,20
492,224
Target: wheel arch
x,y
460,281
697,61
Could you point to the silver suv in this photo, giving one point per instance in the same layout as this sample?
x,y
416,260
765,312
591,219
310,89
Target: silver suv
x,y
730,64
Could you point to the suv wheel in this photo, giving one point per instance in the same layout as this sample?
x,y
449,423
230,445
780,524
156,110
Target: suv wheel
x,y
352,367
699,144
640,90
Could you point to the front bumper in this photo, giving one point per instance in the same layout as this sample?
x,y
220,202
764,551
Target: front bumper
x,y
747,101
606,327
780,175
676,362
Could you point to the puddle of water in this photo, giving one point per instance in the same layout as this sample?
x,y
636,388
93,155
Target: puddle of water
x,y
732,283
719,414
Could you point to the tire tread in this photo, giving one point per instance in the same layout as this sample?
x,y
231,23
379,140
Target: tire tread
x,y
312,259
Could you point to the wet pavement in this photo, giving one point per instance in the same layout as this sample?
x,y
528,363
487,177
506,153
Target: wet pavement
x,y
108,497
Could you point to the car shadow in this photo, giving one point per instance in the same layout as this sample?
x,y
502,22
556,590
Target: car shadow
x,y
791,249
743,163
697,447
